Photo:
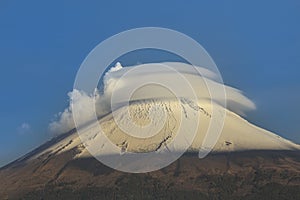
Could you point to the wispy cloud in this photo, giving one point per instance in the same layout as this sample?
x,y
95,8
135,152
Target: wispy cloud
x,y
24,128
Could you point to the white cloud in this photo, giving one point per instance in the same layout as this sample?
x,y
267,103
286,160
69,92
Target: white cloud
x,y
119,80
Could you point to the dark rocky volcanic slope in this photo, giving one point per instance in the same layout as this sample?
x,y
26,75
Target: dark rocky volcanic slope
x,y
236,175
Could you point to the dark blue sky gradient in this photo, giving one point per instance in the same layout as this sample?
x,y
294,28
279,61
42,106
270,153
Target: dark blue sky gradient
x,y
256,45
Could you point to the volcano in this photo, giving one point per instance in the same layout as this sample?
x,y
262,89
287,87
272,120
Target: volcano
x,y
245,161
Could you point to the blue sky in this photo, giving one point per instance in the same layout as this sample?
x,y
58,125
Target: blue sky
x,y
42,44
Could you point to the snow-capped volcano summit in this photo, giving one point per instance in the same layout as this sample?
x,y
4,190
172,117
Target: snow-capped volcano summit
x,y
237,134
